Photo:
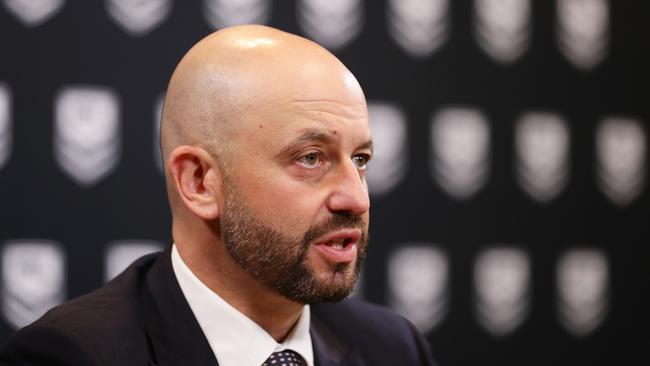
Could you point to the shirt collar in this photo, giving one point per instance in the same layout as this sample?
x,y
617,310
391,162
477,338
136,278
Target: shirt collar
x,y
234,338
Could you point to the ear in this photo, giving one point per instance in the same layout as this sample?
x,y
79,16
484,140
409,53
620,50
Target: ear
x,y
197,179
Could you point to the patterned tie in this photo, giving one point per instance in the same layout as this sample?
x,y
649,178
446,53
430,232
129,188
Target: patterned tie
x,y
285,358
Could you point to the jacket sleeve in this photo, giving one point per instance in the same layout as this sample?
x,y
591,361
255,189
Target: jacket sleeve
x,y
47,344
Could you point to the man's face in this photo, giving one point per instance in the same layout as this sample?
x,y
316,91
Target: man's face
x,y
295,197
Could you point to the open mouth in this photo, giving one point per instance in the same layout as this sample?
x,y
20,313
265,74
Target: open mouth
x,y
339,246
340,243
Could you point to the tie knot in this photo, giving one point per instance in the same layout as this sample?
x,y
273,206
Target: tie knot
x,y
285,358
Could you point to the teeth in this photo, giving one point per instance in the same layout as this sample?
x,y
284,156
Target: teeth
x,y
338,244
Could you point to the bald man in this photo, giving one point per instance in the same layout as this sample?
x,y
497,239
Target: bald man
x,y
265,139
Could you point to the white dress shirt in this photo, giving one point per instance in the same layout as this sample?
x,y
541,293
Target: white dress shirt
x,y
235,339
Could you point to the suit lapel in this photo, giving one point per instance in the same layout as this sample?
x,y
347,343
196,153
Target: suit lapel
x,y
329,349
175,335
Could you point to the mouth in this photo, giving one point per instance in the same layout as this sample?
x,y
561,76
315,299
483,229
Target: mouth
x,y
339,246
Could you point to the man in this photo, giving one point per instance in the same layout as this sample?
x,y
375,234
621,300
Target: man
x,y
266,140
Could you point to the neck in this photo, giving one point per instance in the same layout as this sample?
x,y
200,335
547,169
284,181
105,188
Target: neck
x,y
212,264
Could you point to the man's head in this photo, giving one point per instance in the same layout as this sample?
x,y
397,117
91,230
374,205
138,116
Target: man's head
x,y
265,138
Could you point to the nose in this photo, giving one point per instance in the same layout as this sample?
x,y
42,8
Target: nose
x,y
350,193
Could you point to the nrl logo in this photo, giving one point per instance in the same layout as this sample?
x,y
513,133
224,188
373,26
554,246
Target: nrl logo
x,y
621,166
542,155
33,13
583,31
33,280
460,140
225,13
502,28
86,132
419,27
418,277
583,290
5,124
332,23
389,163
119,255
502,289
138,17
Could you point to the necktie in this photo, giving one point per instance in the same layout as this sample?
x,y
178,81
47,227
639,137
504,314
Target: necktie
x,y
285,358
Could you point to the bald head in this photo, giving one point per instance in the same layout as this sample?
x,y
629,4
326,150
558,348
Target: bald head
x,y
234,70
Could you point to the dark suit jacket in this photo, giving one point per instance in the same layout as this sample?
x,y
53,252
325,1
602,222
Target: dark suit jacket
x,y
142,318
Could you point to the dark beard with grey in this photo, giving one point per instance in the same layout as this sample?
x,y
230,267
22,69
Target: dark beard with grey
x,y
279,262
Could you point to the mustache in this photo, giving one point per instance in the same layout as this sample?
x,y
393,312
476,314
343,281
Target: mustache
x,y
336,222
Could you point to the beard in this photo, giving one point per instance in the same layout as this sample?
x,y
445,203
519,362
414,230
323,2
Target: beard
x,y
280,262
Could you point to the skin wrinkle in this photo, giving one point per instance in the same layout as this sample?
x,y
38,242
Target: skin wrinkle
x,y
244,222
327,106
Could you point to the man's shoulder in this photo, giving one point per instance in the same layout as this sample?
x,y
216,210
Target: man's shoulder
x,y
116,304
93,326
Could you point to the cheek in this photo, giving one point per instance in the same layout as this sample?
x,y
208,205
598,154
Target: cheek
x,y
285,203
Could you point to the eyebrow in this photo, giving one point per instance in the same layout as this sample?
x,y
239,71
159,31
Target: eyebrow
x,y
313,136
368,145
323,137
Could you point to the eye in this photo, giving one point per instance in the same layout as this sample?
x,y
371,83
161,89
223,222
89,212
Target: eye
x,y
361,161
310,160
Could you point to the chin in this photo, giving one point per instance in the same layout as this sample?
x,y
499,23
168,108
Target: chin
x,y
337,283
317,282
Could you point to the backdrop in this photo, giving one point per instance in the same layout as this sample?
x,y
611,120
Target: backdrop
x,y
509,202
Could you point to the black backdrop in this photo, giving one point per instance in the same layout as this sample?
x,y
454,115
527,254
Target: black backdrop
x,y
80,45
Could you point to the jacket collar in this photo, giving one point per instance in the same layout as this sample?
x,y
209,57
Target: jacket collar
x,y
175,335
328,348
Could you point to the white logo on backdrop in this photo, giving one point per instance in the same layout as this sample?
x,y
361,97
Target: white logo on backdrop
x,y
542,155
138,17
332,23
583,31
87,132
460,140
33,280
419,27
621,166
501,289
418,278
5,124
120,254
389,163
502,28
33,13
225,13
583,290
157,118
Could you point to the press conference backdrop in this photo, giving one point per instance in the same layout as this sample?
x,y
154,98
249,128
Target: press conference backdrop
x,y
509,191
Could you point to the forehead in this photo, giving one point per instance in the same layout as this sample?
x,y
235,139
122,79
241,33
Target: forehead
x,y
342,122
